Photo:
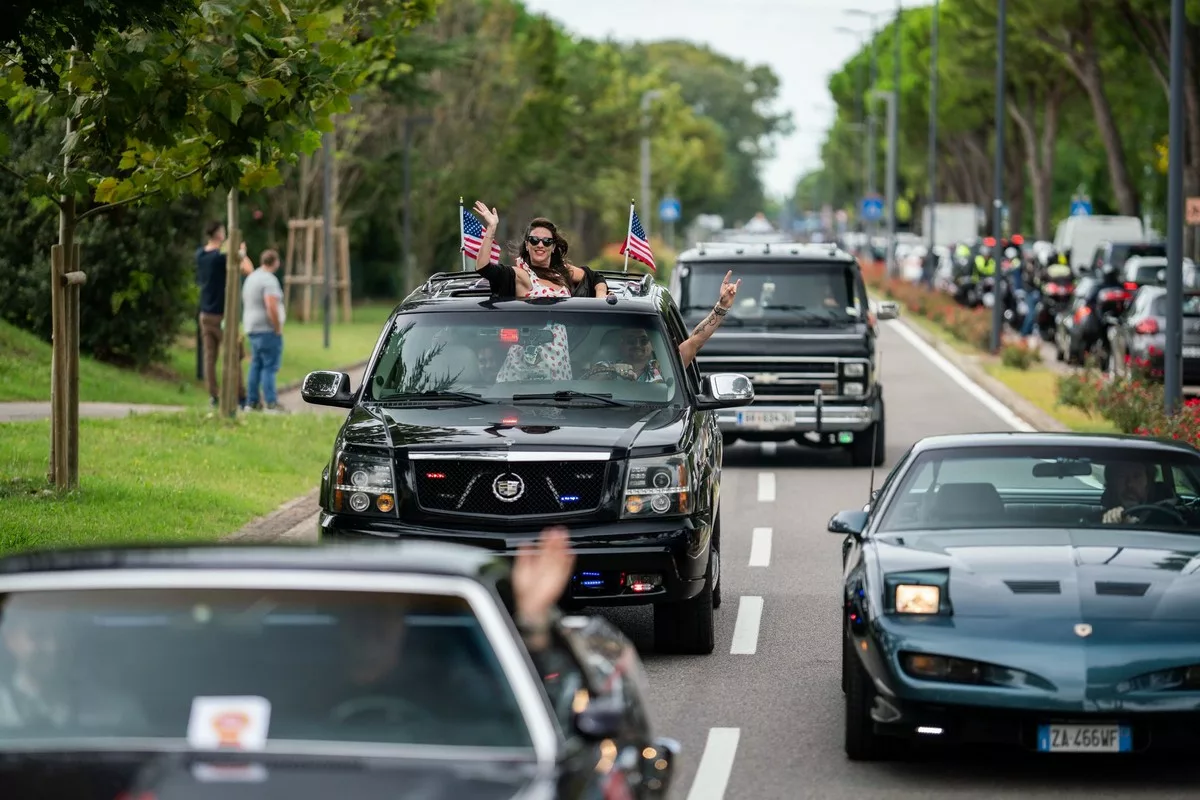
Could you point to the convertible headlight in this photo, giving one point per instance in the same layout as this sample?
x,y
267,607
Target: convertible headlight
x,y
914,599
961,670
657,486
364,484
854,369
1185,679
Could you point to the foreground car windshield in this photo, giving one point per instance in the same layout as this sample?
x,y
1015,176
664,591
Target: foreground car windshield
x,y
314,666
1044,488
499,355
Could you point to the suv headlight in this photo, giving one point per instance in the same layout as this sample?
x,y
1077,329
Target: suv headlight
x,y
657,486
364,484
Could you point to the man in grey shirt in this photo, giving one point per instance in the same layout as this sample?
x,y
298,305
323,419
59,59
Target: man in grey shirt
x,y
263,315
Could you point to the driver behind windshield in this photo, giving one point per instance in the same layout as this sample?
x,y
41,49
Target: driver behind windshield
x,y
1126,484
635,360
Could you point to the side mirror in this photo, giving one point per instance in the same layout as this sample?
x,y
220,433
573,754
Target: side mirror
x,y
658,766
327,389
726,390
603,718
887,310
848,523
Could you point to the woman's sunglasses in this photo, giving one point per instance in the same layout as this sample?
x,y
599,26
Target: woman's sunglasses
x,y
546,242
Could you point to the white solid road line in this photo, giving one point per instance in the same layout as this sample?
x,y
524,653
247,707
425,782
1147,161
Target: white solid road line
x,y
745,630
766,487
760,548
955,374
716,764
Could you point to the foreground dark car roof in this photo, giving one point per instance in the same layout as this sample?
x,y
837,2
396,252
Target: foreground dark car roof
x,y
435,558
958,441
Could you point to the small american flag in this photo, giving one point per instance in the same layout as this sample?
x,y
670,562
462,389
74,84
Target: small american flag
x,y
472,237
636,244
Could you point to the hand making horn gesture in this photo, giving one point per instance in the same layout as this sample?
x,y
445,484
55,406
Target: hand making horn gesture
x,y
728,291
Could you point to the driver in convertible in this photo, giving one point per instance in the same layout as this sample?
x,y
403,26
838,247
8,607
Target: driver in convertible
x,y
382,667
1126,484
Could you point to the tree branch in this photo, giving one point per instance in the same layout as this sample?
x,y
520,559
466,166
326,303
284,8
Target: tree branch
x,y
109,206
23,179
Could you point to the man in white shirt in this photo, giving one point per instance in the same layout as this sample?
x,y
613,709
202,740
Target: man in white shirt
x,y
263,316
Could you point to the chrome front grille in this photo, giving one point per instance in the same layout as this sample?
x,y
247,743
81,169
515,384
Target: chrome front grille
x,y
502,489
788,378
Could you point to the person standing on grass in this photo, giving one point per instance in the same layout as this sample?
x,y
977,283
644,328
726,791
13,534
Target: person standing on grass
x,y
211,278
264,314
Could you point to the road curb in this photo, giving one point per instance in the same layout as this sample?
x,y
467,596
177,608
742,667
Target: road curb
x,y
969,366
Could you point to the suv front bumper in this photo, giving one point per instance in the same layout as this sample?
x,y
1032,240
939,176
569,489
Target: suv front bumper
x,y
794,420
606,554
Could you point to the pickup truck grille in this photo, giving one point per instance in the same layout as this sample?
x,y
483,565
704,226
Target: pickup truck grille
x,y
508,490
784,378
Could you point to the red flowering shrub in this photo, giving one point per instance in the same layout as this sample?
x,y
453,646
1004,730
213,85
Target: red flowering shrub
x,y
970,325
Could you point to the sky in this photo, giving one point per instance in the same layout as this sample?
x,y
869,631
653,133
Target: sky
x,y
799,39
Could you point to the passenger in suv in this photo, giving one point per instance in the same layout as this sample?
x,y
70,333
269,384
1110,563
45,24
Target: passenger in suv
x,y
435,447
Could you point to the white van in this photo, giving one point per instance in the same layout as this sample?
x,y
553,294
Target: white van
x,y
1082,234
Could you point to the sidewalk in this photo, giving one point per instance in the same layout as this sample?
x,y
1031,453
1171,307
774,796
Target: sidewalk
x,y
28,412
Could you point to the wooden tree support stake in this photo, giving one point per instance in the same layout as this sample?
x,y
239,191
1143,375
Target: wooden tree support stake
x,y
304,270
231,361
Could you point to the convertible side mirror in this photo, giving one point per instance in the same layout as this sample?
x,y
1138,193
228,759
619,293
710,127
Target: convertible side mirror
x,y
726,390
848,523
327,389
603,718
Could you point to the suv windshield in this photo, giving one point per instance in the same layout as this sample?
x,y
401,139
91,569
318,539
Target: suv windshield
x,y
779,293
494,357
211,665
1039,487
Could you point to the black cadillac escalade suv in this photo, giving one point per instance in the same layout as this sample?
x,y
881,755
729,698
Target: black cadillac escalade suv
x,y
802,330
481,420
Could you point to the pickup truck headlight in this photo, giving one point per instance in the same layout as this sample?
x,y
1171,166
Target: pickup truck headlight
x,y
655,487
364,484
854,369
853,389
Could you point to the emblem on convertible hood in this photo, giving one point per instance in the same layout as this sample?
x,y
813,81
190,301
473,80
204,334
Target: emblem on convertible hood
x,y
1083,630
508,487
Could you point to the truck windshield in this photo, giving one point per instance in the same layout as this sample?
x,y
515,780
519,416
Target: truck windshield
x,y
778,293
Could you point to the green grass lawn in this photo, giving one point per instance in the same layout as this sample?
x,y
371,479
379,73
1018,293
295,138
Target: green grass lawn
x,y
1039,385
166,477
304,345
25,375
25,363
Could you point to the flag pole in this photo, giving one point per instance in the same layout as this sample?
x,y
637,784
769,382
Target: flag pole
x,y
462,235
628,233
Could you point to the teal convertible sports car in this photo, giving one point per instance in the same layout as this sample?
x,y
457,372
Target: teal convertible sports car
x,y
1034,589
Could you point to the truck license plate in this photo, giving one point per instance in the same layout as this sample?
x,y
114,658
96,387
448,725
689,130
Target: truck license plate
x,y
1084,739
1191,352
766,419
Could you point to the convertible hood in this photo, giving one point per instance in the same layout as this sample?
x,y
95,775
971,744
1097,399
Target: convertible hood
x,y
525,425
169,777
1077,575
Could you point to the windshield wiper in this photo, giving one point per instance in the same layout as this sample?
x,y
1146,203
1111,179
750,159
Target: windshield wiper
x,y
566,395
405,397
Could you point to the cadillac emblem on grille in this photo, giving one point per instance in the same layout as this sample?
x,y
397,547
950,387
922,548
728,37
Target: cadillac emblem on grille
x,y
508,487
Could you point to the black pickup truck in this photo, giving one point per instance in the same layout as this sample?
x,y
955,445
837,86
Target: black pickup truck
x,y
803,330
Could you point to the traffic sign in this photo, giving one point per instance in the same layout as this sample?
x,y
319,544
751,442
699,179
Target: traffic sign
x,y
1081,206
872,208
669,209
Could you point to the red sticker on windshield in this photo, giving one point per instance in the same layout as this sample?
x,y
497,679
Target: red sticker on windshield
x,y
510,335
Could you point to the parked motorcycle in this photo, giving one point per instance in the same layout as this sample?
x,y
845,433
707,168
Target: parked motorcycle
x,y
1055,300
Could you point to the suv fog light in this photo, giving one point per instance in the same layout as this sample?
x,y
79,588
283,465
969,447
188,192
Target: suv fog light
x,y
633,505
852,388
643,583
359,501
661,503
385,503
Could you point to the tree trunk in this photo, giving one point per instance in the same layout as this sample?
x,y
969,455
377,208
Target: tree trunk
x,y
1039,148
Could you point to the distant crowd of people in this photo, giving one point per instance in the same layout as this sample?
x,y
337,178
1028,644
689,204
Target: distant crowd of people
x,y
263,316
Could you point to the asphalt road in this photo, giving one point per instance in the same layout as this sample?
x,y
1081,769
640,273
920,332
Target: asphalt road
x,y
761,717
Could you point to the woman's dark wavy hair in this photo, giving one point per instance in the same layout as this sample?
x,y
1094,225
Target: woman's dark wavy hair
x,y
559,270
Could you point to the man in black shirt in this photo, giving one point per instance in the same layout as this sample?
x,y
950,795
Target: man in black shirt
x,y
211,278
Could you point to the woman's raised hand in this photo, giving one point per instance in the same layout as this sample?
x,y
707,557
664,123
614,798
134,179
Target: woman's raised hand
x,y
489,216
